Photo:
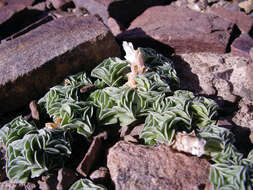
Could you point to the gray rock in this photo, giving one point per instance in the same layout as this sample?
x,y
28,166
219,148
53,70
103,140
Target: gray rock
x,y
41,58
142,167
214,74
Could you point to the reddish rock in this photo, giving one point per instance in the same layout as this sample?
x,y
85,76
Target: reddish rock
x,y
101,175
114,26
242,45
2,163
66,177
48,182
244,22
13,6
34,62
143,167
93,7
91,155
183,29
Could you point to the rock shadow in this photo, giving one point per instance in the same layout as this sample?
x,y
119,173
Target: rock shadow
x,y
127,10
23,22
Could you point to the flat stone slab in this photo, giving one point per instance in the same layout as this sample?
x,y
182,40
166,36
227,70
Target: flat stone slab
x,y
182,29
41,58
156,168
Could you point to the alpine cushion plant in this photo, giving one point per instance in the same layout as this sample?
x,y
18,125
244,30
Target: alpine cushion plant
x,y
85,184
145,85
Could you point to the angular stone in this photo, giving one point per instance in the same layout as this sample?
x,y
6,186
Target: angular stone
x,y
34,62
13,6
93,7
142,167
244,22
242,45
66,177
101,175
91,155
183,29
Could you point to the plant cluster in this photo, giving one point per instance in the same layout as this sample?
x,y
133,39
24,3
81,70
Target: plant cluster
x,y
80,103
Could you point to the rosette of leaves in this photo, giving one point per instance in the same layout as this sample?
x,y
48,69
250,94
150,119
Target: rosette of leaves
x,y
161,65
35,154
85,184
16,130
204,111
64,103
111,71
115,105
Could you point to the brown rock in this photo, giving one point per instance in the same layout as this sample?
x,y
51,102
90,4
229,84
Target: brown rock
x,y
8,185
34,110
242,45
93,7
32,63
244,22
48,182
142,167
91,155
101,175
114,26
183,29
12,6
66,177
2,163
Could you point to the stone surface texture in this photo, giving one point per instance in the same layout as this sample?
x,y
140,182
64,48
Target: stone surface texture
x,y
183,29
11,7
32,63
223,75
140,167
243,21
242,45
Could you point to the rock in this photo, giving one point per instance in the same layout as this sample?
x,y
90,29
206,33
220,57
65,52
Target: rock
x,y
91,155
224,75
62,4
247,6
93,7
244,22
41,58
101,175
12,6
251,53
183,29
126,11
2,162
244,116
8,185
66,177
242,45
137,130
48,182
114,26
143,167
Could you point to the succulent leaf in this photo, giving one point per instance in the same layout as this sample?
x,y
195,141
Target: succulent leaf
x,y
85,184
